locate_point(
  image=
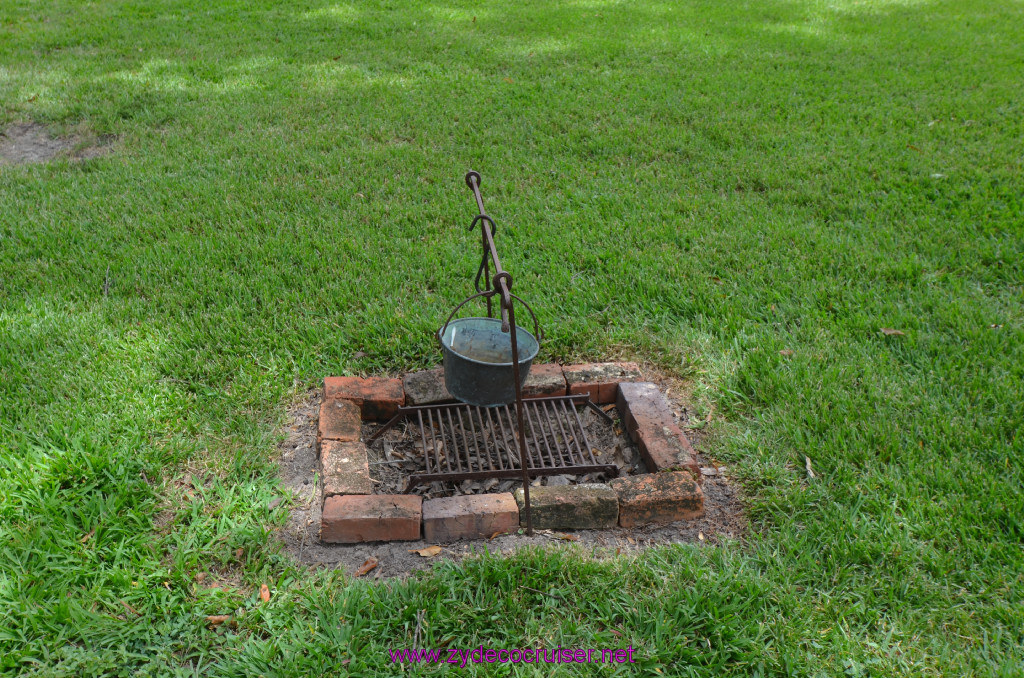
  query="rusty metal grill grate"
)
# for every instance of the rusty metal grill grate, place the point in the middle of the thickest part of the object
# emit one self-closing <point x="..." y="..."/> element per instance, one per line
<point x="466" y="442"/>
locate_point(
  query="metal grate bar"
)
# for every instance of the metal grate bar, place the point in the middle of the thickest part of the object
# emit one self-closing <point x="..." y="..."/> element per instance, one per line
<point x="580" y="424"/>
<point x="543" y="433"/>
<point x="561" y="429"/>
<point x="573" y="434"/>
<point x="533" y="436"/>
<point x="483" y="435"/>
<point x="504" y="434"/>
<point x="423" y="438"/>
<point x="463" y="441"/>
<point x="514" y="450"/>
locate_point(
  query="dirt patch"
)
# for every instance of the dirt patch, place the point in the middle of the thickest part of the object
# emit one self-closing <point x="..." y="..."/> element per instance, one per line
<point x="29" y="143"/>
<point x="724" y="517"/>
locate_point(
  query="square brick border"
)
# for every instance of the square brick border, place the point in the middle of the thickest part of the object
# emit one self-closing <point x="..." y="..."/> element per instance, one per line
<point x="352" y="513"/>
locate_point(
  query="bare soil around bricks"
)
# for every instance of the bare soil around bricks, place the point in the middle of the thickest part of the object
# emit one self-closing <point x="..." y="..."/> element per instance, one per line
<point x="724" y="517"/>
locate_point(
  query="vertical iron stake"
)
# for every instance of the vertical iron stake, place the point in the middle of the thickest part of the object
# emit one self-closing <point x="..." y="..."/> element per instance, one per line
<point x="524" y="458"/>
<point x="503" y="284"/>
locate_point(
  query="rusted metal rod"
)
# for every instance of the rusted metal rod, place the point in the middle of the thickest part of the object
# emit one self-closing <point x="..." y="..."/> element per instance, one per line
<point x="503" y="283"/>
<point x="502" y="280"/>
<point x="524" y="456"/>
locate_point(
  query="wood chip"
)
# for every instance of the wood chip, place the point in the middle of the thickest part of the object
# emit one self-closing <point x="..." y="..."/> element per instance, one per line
<point x="217" y="619"/>
<point x="370" y="563"/>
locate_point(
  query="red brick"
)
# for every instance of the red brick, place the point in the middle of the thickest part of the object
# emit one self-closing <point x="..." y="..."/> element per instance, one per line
<point x="377" y="517"/>
<point x="599" y="380"/>
<point x="652" y="425"/>
<point x="475" y="516"/>
<point x="344" y="468"/>
<point x="378" y="397"/>
<point x="658" y="498"/>
<point x="664" y="447"/>
<point x="339" y="420"/>
<point x="642" y="402"/>
<point x="544" y="380"/>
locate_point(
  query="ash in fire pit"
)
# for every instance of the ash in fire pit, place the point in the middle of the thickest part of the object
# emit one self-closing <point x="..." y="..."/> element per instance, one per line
<point x="403" y="452"/>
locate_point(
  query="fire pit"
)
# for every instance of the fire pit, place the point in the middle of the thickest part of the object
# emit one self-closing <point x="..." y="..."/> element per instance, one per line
<point x="447" y="457"/>
<point x="486" y="363"/>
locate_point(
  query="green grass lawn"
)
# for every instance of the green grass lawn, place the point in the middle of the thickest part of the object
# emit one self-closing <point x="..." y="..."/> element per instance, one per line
<point x="698" y="185"/>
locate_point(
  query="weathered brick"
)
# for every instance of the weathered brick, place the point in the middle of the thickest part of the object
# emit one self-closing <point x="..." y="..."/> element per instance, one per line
<point x="544" y="380"/>
<point x="658" y="498"/>
<point x="378" y="397"/>
<point x="474" y="516"/>
<point x="589" y="506"/>
<point x="664" y="447"/>
<point x="426" y="388"/>
<point x="599" y="380"/>
<point x="642" y="402"/>
<point x="339" y="420"/>
<point x="377" y="517"/>
<point x="652" y="425"/>
<point x="344" y="468"/>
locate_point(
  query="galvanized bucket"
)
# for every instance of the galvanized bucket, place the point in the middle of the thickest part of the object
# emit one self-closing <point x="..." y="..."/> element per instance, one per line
<point x="478" y="360"/>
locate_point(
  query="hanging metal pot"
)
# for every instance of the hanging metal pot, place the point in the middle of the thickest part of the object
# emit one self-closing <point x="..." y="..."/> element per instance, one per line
<point x="478" y="360"/>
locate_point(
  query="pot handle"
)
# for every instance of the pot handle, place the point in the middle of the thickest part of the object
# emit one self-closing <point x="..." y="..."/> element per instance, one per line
<point x="491" y="293"/>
